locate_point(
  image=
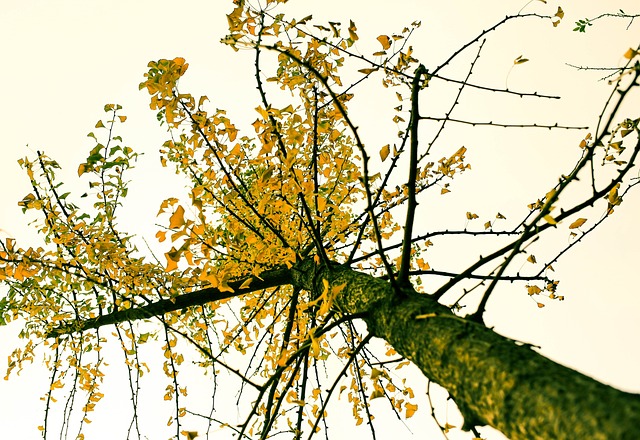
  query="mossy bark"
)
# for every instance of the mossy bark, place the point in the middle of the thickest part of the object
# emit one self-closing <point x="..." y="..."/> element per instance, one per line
<point x="493" y="380"/>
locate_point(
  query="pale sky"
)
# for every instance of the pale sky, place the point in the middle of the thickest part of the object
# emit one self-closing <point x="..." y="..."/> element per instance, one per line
<point x="63" y="60"/>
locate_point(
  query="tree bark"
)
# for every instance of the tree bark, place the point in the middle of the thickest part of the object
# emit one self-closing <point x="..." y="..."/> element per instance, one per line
<point x="493" y="380"/>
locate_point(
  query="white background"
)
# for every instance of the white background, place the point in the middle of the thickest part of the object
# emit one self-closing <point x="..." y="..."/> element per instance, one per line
<point x="63" y="60"/>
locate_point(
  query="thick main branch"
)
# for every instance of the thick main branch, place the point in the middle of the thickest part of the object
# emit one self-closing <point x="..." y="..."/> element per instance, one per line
<point x="493" y="380"/>
<point x="273" y="278"/>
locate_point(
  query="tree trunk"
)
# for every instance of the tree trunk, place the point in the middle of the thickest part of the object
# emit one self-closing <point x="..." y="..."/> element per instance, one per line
<point x="493" y="380"/>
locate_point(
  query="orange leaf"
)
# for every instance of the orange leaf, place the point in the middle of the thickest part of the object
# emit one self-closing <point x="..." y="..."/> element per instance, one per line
<point x="411" y="409"/>
<point x="533" y="290"/>
<point x="161" y="236"/>
<point x="385" y="41"/>
<point x="177" y="218"/>
<point x="630" y="53"/>
<point x="171" y="263"/>
<point x="423" y="265"/>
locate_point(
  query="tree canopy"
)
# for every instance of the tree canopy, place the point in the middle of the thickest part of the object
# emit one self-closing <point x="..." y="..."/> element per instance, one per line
<point x="300" y="264"/>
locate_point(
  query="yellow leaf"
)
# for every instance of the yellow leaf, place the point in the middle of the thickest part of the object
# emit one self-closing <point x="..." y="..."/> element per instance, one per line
<point x="161" y="236"/>
<point x="613" y="195"/>
<point x="487" y="225"/>
<point x="560" y="13"/>
<point x="99" y="124"/>
<point x="367" y="71"/>
<point x="630" y="53"/>
<point x="520" y="60"/>
<point x="177" y="218"/>
<point x="532" y="259"/>
<point x="122" y="118"/>
<point x="236" y="151"/>
<point x="352" y="31"/>
<point x="385" y="41"/>
<point x="246" y="283"/>
<point x="315" y="346"/>
<point x="540" y="305"/>
<point x="550" y="196"/>
<point x="82" y="169"/>
<point x="471" y="216"/>
<point x="411" y="409"/>
<point x="376" y="394"/>
<point x="224" y="287"/>
<point x="172" y="260"/>
<point x="448" y="427"/>
<point x="384" y="152"/>
<point x="550" y="219"/>
<point x="577" y="223"/>
<point x="423" y="265"/>
<point x="322" y="203"/>
<point x="533" y="290"/>
<point x="460" y="152"/>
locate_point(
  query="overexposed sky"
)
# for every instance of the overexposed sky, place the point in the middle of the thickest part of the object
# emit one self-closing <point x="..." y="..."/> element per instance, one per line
<point x="63" y="60"/>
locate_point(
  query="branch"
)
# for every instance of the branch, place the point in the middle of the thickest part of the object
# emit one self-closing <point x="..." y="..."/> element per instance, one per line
<point x="456" y="101"/>
<point x="483" y="33"/>
<point x="497" y="124"/>
<point x="534" y="229"/>
<point x="365" y="157"/>
<point x="474" y="276"/>
<point x="403" y="276"/>
<point x="266" y="280"/>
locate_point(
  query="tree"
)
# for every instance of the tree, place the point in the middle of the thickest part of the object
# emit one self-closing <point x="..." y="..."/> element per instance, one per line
<point x="272" y="228"/>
